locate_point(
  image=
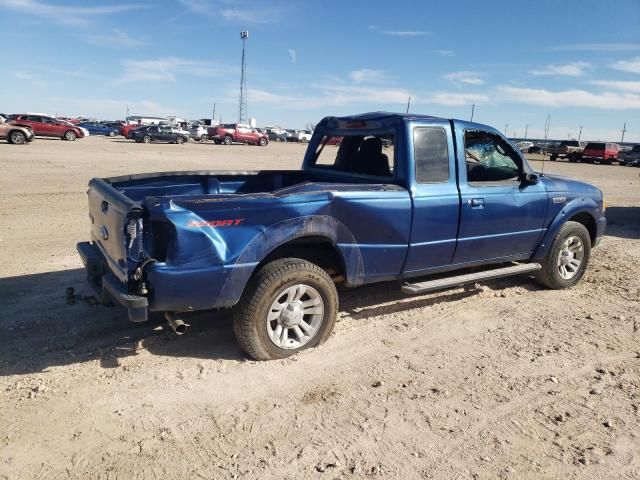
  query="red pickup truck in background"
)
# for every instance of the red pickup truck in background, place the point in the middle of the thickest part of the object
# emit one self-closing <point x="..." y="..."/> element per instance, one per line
<point x="601" y="153"/>
<point x="229" y="133"/>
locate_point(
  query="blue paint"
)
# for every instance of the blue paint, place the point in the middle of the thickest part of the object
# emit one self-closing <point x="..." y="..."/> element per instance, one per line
<point x="207" y="232"/>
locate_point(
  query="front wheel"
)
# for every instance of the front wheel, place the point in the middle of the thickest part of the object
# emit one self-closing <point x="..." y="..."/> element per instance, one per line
<point x="17" y="137"/>
<point x="228" y="140"/>
<point x="568" y="257"/>
<point x="553" y="158"/>
<point x="262" y="142"/>
<point x="203" y="139"/>
<point x="179" y="140"/>
<point x="146" y="139"/>
<point x="112" y="133"/>
<point x="70" y="135"/>
<point x="289" y="305"/>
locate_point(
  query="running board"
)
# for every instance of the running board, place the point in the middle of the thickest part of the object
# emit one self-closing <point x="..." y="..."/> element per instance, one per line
<point x="459" y="280"/>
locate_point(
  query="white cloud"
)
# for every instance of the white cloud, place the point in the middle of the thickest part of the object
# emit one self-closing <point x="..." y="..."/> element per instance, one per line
<point x="293" y="55"/>
<point x="470" y="78"/>
<point x="117" y="38"/>
<point x="367" y="75"/>
<point x="571" y="98"/>
<point x="632" y="65"/>
<point x="66" y="15"/>
<point x="166" y="69"/>
<point x="33" y="79"/>
<point x="627" y="86"/>
<point x="574" y="69"/>
<point x="455" y="99"/>
<point x="400" y="33"/>
<point x="214" y="9"/>
<point x="247" y="16"/>
<point x="599" y="47"/>
<point x="445" y="53"/>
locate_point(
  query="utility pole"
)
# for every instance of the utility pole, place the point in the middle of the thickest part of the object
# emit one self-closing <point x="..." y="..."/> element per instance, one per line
<point x="473" y="108"/>
<point x="242" y="108"/>
<point x="580" y="134"/>
<point x="624" y="130"/>
<point x="213" y="114"/>
<point x="526" y="131"/>
<point x="127" y="112"/>
<point x="505" y="129"/>
<point x="408" y="103"/>
<point x="547" y="124"/>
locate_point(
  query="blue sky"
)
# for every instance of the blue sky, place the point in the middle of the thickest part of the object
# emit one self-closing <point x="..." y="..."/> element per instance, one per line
<point x="578" y="61"/>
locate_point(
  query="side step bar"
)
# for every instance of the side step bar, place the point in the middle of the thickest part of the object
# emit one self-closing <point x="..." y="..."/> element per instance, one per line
<point x="459" y="280"/>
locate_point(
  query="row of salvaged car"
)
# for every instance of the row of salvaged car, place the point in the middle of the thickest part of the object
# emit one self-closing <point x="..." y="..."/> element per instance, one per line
<point x="587" y="152"/>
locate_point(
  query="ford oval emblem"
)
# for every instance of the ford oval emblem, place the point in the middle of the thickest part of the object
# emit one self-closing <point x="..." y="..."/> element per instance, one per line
<point x="104" y="232"/>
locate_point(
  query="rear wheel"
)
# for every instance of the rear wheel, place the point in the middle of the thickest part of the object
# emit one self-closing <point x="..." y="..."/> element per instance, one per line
<point x="204" y="138"/>
<point x="228" y="140"/>
<point x="568" y="257"/>
<point x="70" y="135"/>
<point x="112" y="133"/>
<point x="289" y="305"/>
<point x="17" y="137"/>
<point x="553" y="158"/>
<point x="146" y="139"/>
<point x="179" y="140"/>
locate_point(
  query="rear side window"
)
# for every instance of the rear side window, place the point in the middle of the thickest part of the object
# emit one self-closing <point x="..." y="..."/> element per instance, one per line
<point x="431" y="154"/>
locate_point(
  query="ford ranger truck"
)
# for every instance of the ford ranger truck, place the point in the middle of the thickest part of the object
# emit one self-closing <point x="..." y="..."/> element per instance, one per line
<point x="449" y="202"/>
<point x="569" y="149"/>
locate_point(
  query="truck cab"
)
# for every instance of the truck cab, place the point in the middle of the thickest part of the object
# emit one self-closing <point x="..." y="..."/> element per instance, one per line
<point x="429" y="202"/>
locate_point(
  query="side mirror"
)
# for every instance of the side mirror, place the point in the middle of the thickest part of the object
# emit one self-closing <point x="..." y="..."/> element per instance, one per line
<point x="529" y="179"/>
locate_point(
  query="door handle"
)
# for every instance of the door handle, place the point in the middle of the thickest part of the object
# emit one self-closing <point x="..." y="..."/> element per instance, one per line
<point x="476" y="202"/>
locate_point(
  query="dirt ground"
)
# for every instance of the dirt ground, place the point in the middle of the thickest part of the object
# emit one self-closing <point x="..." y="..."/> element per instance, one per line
<point x="501" y="380"/>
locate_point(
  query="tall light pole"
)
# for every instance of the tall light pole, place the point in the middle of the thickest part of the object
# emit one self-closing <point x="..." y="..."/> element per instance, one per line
<point x="505" y="129"/>
<point x="624" y="130"/>
<point x="580" y="134"/>
<point x="473" y="109"/>
<point x="526" y="131"/>
<point x="242" y="108"/>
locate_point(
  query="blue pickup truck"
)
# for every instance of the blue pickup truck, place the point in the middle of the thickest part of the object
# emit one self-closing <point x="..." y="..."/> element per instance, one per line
<point x="430" y="202"/>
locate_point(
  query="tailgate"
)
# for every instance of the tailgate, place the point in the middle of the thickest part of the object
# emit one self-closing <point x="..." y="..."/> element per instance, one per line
<point x="116" y="227"/>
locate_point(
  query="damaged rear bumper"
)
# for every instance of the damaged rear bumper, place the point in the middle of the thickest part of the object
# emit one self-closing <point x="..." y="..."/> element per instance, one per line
<point x="107" y="287"/>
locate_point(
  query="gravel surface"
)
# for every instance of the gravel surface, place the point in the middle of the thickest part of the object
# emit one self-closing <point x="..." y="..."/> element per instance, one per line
<point x="498" y="380"/>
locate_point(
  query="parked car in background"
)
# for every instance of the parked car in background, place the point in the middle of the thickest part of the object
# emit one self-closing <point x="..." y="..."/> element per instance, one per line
<point x="569" y="149"/>
<point x="537" y="149"/>
<point x="303" y="136"/>
<point x="15" y="134"/>
<point x="600" y="152"/>
<point x="229" y="133"/>
<point x="127" y="129"/>
<point x="159" y="133"/>
<point x="44" y="126"/>
<point x="630" y="158"/>
<point x="95" y="128"/>
<point x="200" y="133"/>
<point x="524" y="146"/>
<point x="292" y="135"/>
<point x="276" y="134"/>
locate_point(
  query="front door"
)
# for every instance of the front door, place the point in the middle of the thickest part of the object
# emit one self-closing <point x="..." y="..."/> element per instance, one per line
<point x="501" y="217"/>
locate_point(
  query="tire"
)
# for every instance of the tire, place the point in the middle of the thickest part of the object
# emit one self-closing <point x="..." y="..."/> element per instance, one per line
<point x="553" y="158"/>
<point x="228" y="140"/>
<point x="262" y="142"/>
<point x="112" y="133"/>
<point x="573" y="158"/>
<point x="179" y="140"/>
<point x="146" y="139"/>
<point x="203" y="139"/>
<point x="278" y="139"/>
<point x="17" y="137"/>
<point x="550" y="276"/>
<point x="70" y="135"/>
<point x="283" y="280"/>
<point x="303" y="140"/>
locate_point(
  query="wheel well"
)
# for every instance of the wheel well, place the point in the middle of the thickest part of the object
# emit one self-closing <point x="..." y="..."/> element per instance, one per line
<point x="588" y="221"/>
<point x="315" y="249"/>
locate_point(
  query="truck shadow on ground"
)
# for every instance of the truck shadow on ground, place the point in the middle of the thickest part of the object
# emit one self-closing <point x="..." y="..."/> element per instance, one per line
<point x="40" y="329"/>
<point x="623" y="222"/>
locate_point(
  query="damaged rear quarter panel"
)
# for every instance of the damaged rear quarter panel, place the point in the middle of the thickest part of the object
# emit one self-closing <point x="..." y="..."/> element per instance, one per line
<point x="210" y="261"/>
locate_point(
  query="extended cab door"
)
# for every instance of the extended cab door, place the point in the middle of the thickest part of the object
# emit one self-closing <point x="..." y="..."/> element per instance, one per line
<point x="501" y="217"/>
<point x="435" y="196"/>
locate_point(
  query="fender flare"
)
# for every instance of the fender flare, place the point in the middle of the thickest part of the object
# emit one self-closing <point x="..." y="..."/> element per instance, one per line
<point x="571" y="209"/>
<point x="285" y="231"/>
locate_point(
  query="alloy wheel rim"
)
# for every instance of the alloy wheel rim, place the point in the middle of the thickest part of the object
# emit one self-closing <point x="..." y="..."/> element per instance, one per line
<point x="295" y="316"/>
<point x="570" y="257"/>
